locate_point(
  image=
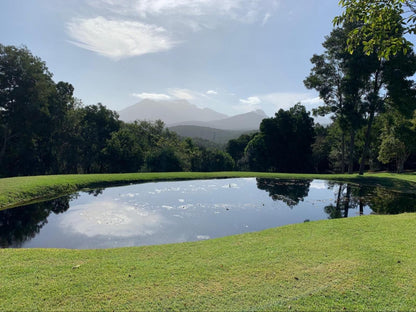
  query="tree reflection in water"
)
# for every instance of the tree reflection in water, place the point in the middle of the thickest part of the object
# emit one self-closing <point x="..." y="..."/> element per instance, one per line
<point x="378" y="199"/>
<point x="347" y="196"/>
<point x="291" y="192"/>
<point x="20" y="224"/>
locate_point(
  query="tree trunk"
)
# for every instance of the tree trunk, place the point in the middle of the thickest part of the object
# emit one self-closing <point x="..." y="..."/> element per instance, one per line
<point x="367" y="143"/>
<point x="343" y="152"/>
<point x="351" y="153"/>
<point x="4" y="145"/>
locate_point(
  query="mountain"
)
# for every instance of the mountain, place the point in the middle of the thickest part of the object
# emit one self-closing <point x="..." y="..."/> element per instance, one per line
<point x="218" y="136"/>
<point x="247" y="121"/>
<point x="171" y="112"/>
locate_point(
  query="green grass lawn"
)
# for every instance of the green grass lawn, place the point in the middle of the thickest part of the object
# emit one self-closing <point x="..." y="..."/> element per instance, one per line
<point x="361" y="263"/>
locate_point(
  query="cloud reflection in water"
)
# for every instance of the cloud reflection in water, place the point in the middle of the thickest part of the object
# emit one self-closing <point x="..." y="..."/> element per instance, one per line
<point x="111" y="219"/>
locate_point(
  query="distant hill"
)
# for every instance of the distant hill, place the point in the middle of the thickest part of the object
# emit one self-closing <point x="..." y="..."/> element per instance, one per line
<point x="181" y="112"/>
<point x="218" y="136"/>
<point x="241" y="122"/>
<point x="170" y="112"/>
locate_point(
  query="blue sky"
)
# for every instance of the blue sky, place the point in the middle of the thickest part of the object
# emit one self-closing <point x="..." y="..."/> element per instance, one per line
<point x="229" y="55"/>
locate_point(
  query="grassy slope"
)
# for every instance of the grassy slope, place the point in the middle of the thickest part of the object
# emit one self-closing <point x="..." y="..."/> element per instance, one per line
<point x="362" y="263"/>
<point x="20" y="190"/>
<point x="365" y="263"/>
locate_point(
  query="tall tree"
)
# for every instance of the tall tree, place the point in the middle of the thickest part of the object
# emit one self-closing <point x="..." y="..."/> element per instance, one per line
<point x="341" y="82"/>
<point x="97" y="124"/>
<point x="284" y="142"/>
<point x="26" y="93"/>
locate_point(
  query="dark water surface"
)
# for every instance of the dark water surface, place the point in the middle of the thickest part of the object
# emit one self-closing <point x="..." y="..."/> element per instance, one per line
<point x="171" y="212"/>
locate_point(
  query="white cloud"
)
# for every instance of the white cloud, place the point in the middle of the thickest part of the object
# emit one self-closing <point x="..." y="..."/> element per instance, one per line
<point x="248" y="105"/>
<point x="252" y="100"/>
<point x="126" y="28"/>
<point x="182" y="94"/>
<point x="118" y="39"/>
<point x="212" y="92"/>
<point x="286" y="100"/>
<point x="266" y="18"/>
<point x="152" y="96"/>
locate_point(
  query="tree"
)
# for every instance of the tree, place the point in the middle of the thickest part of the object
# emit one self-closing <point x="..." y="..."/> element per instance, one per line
<point x="216" y="160"/>
<point x="32" y="110"/>
<point x="123" y="151"/>
<point x="355" y="86"/>
<point x="236" y="147"/>
<point x="97" y="125"/>
<point x="284" y="142"/>
<point x="382" y="25"/>
<point x="398" y="139"/>
<point x="165" y="159"/>
<point x="341" y="82"/>
<point x="321" y="149"/>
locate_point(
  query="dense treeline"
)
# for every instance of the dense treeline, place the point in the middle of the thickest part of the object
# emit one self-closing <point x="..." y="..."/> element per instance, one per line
<point x="44" y="129"/>
<point x="371" y="102"/>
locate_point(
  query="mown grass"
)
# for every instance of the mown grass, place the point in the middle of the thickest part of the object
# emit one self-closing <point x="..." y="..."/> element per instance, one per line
<point x="22" y="190"/>
<point x="363" y="263"/>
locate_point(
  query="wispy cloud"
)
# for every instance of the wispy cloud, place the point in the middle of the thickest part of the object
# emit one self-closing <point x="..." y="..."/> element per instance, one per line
<point x="182" y="94"/>
<point x="152" y="96"/>
<point x="118" y="39"/>
<point x="126" y="28"/>
<point x="252" y="100"/>
<point x="241" y="10"/>
<point x="285" y="100"/>
<point x="248" y="105"/>
<point x="212" y="92"/>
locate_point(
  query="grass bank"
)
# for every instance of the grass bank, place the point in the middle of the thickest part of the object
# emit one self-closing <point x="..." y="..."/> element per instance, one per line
<point x="363" y="263"/>
<point x="22" y="190"/>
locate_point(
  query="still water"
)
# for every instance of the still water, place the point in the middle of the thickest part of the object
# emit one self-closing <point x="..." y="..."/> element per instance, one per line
<point x="172" y="212"/>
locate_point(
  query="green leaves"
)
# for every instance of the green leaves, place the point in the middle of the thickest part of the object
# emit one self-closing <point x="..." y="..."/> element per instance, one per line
<point x="382" y="25"/>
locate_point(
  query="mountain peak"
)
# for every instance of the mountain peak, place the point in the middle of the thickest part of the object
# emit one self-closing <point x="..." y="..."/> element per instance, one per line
<point x="170" y="111"/>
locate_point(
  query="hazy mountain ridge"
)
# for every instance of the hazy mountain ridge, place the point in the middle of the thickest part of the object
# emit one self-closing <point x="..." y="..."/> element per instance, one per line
<point x="181" y="112"/>
<point x="169" y="111"/>
<point x="218" y="136"/>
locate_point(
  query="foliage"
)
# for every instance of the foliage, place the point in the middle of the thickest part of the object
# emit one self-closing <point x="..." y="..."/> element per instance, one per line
<point x="356" y="87"/>
<point x="216" y="160"/>
<point x="382" y="25"/>
<point x="341" y="81"/>
<point x="236" y="148"/>
<point x="284" y="142"/>
<point x="398" y="139"/>
<point x="321" y="149"/>
<point x="26" y="101"/>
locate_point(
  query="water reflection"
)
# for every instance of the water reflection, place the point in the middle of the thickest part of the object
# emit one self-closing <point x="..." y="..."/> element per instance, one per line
<point x="21" y="224"/>
<point x="291" y="192"/>
<point x="168" y="212"/>
<point x="111" y="219"/>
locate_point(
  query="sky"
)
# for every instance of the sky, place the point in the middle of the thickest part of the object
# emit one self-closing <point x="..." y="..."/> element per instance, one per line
<point x="232" y="56"/>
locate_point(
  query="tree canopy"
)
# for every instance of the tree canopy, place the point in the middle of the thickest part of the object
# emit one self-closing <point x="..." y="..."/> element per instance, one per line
<point x="381" y="25"/>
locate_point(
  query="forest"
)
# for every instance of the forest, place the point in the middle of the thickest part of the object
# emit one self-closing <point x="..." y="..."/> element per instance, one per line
<point x="370" y="100"/>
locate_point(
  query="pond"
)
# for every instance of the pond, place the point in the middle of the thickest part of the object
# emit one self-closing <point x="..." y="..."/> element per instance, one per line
<point x="181" y="211"/>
